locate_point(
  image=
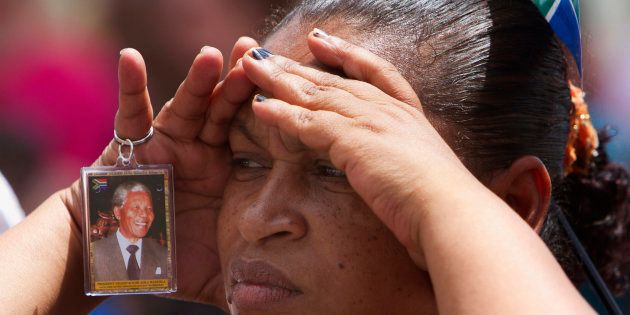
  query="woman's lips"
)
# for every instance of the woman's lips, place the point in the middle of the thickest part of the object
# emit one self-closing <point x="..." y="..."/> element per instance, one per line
<point x="256" y="296"/>
<point x="256" y="285"/>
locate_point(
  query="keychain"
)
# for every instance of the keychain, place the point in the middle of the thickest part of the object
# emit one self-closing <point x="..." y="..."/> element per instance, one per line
<point x="128" y="225"/>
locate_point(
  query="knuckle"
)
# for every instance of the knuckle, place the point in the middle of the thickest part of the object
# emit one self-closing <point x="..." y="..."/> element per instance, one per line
<point x="364" y="123"/>
<point x="276" y="74"/>
<point x="309" y="89"/>
<point x="196" y="90"/>
<point x="312" y="91"/>
<point x="346" y="47"/>
<point x="344" y="50"/>
<point x="304" y="118"/>
<point x="328" y="79"/>
<point x="318" y="97"/>
<point x="290" y="66"/>
<point x="398" y="113"/>
<point x="168" y="103"/>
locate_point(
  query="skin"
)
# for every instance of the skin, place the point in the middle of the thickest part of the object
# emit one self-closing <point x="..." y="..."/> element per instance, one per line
<point x="191" y="133"/>
<point x="321" y="235"/>
<point x="135" y="215"/>
<point x="467" y="239"/>
<point x="353" y="123"/>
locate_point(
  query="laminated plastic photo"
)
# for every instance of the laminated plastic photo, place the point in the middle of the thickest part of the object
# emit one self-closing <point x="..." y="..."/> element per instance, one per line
<point x="128" y="231"/>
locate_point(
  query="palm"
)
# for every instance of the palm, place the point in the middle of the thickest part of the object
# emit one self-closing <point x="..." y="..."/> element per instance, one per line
<point x="191" y="134"/>
<point x="200" y="172"/>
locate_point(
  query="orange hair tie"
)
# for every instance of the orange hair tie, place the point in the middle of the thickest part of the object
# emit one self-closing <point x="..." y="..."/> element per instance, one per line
<point x="583" y="141"/>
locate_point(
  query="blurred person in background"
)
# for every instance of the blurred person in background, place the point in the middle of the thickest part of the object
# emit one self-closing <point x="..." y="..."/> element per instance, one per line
<point x="170" y="33"/>
<point x="11" y="212"/>
<point x="607" y="69"/>
<point x="607" y="82"/>
<point x="58" y="79"/>
<point x="57" y="85"/>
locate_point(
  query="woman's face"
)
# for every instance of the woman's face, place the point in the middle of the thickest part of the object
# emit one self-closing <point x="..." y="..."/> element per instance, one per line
<point x="293" y="236"/>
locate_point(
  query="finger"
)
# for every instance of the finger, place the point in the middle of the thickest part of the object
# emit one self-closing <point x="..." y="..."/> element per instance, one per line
<point x="361" y="64"/>
<point x="294" y="89"/>
<point x="109" y="155"/>
<point x="183" y="117"/>
<point x="242" y="45"/>
<point x="227" y="98"/>
<point x="135" y="113"/>
<point x="360" y="89"/>
<point x="315" y="129"/>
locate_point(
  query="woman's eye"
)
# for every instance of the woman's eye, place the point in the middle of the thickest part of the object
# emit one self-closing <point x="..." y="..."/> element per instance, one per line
<point x="248" y="169"/>
<point x="332" y="178"/>
<point x="329" y="171"/>
<point x="246" y="163"/>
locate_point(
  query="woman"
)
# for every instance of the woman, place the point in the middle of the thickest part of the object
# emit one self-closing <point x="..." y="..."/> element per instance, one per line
<point x="412" y="182"/>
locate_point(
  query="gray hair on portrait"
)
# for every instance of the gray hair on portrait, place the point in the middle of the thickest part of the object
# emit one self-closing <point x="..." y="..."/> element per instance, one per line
<point x="120" y="194"/>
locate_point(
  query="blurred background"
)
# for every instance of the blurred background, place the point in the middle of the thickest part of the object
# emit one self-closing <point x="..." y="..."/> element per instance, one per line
<point x="58" y="83"/>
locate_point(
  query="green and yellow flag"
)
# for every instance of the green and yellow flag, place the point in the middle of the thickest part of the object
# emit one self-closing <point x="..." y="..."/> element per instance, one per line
<point x="564" y="18"/>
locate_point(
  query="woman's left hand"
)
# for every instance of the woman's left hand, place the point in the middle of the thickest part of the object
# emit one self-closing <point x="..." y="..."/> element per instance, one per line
<point x="372" y="126"/>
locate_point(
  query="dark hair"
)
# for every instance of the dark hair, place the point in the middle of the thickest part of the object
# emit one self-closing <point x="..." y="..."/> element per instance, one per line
<point x="492" y="77"/>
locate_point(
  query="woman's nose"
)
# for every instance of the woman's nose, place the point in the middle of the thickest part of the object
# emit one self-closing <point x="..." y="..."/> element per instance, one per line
<point x="274" y="214"/>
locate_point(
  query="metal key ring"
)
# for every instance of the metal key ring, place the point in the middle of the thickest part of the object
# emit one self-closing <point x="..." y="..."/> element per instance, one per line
<point x="134" y="142"/>
<point x="126" y="161"/>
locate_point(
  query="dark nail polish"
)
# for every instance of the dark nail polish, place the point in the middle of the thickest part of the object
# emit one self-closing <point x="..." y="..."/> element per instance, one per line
<point x="259" y="98"/>
<point x="267" y="52"/>
<point x="257" y="55"/>
<point x="319" y="33"/>
<point x="261" y="53"/>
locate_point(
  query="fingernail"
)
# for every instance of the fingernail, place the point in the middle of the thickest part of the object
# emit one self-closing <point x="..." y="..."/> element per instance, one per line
<point x="319" y="33"/>
<point x="267" y="52"/>
<point x="204" y="48"/>
<point x="259" y="98"/>
<point x="261" y="53"/>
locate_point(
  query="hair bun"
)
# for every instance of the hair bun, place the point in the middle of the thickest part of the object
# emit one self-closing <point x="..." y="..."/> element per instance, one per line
<point x="599" y="208"/>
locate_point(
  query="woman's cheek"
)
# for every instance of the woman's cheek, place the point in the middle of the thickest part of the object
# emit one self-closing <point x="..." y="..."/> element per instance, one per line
<point x="353" y="246"/>
<point x="345" y="207"/>
<point x="234" y="197"/>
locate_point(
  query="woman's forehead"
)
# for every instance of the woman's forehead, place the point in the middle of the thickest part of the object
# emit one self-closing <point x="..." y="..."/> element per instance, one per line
<point x="246" y="127"/>
<point x="289" y="42"/>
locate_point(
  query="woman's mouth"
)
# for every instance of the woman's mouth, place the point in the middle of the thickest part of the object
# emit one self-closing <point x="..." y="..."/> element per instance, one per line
<point x="257" y="285"/>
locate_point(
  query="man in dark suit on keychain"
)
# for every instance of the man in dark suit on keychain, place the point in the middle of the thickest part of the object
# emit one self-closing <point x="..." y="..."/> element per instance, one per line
<point x="126" y="254"/>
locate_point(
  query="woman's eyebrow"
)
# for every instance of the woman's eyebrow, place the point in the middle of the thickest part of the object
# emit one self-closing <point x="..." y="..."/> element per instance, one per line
<point x="242" y="127"/>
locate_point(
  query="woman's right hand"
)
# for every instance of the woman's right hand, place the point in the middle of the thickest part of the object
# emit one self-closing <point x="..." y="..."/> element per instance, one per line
<point x="190" y="133"/>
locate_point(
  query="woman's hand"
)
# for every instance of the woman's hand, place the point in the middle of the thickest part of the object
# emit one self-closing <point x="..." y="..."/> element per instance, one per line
<point x="374" y="131"/>
<point x="372" y="126"/>
<point x="191" y="134"/>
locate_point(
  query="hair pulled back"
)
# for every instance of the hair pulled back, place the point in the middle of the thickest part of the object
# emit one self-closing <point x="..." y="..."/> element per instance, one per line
<point x="492" y="77"/>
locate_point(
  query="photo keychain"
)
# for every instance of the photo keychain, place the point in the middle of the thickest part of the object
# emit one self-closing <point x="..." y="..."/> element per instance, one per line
<point x="128" y="225"/>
